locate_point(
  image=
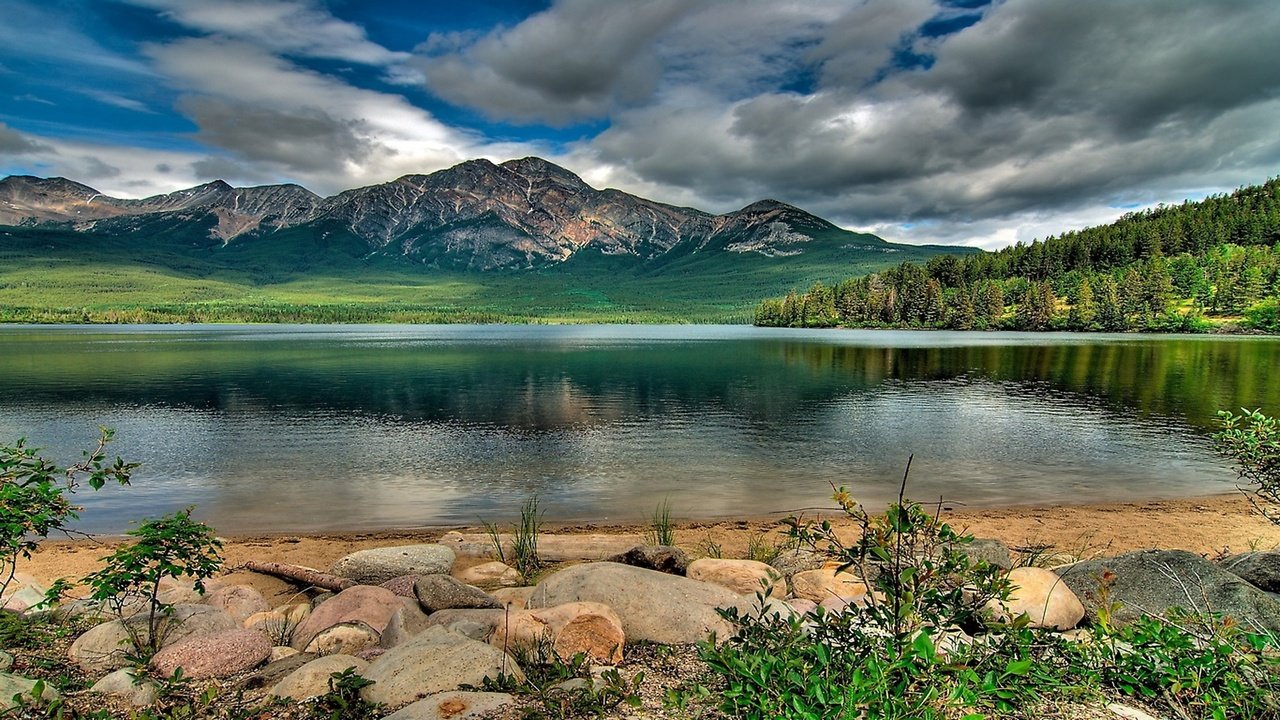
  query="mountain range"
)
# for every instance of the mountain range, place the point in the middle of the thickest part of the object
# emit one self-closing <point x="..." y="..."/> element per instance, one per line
<point x="478" y="219"/>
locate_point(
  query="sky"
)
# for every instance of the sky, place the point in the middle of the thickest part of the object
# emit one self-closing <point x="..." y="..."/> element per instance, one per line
<point x="925" y="121"/>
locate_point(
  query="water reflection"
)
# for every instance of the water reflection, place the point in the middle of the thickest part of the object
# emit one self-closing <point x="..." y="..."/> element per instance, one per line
<point x="308" y="428"/>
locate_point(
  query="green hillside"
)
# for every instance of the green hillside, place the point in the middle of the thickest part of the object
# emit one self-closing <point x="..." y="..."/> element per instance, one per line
<point x="166" y="272"/>
<point x="1194" y="267"/>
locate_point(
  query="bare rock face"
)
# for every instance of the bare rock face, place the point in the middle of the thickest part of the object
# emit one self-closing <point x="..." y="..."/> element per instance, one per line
<point x="217" y="655"/>
<point x="373" y="607"/>
<point x="653" y="606"/>
<point x="744" y="577"/>
<point x="1043" y="596"/>
<point x="434" y="661"/>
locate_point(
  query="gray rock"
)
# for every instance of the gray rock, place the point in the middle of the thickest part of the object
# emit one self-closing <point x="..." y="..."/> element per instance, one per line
<point x="402" y="586"/>
<point x="993" y="551"/>
<point x="105" y="646"/>
<point x="1154" y="581"/>
<point x="442" y="592"/>
<point x="123" y="683"/>
<point x="312" y="679"/>
<point x="455" y="705"/>
<point x="214" y="656"/>
<point x="1260" y="569"/>
<point x="434" y="661"/>
<point x="378" y="565"/>
<point x="653" y="606"/>
<point x="274" y="672"/>
<point x="790" y="562"/>
<point x="663" y="558"/>
<point x="346" y="638"/>
<point x="517" y="597"/>
<point x="16" y="685"/>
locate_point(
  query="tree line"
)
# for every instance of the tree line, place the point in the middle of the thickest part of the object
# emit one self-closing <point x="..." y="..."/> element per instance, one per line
<point x="1173" y="268"/>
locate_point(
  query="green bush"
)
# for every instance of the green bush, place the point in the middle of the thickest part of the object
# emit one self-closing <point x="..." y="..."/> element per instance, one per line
<point x="1264" y="316"/>
<point x="1252" y="440"/>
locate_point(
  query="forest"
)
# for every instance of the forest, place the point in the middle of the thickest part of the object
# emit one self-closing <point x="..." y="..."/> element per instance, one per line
<point x="1194" y="267"/>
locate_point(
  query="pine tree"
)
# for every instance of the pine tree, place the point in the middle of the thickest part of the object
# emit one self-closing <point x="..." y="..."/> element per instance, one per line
<point x="1109" y="317"/>
<point x="1084" y="310"/>
<point x="962" y="315"/>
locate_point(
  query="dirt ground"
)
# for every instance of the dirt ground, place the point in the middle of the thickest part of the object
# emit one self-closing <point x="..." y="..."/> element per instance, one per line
<point x="1208" y="525"/>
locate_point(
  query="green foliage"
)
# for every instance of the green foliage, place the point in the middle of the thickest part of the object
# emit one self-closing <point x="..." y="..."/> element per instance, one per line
<point x="35" y="496"/>
<point x="661" y="530"/>
<point x="343" y="701"/>
<point x="173" y="547"/>
<point x="1264" y="316"/>
<point x="1252" y="440"/>
<point x="564" y="689"/>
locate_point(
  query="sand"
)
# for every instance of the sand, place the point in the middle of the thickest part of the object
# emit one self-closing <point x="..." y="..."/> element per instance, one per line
<point x="1211" y="526"/>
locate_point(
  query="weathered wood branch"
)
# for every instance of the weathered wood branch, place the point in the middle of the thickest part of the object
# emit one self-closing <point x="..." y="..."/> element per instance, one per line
<point x="300" y="575"/>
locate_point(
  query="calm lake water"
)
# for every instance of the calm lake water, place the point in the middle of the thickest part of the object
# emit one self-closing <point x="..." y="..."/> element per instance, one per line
<point x="294" y="428"/>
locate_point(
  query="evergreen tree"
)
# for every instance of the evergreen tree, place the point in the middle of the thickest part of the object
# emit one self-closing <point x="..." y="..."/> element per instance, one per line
<point x="1083" y="310"/>
<point x="1109" y="316"/>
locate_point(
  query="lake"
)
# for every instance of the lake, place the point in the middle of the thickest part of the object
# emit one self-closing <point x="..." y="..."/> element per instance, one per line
<point x="307" y="428"/>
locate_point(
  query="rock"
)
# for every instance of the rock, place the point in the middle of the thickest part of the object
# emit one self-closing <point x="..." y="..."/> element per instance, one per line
<point x="663" y="558"/>
<point x="825" y="582"/>
<point x="276" y="591"/>
<point x="744" y="577"/>
<point x="790" y="562"/>
<point x="105" y="646"/>
<point x="238" y="601"/>
<point x="454" y="705"/>
<point x="280" y="652"/>
<point x="402" y="586"/>
<point x="517" y="597"/>
<point x="551" y="548"/>
<point x="367" y="604"/>
<point x="346" y="638"/>
<point x="312" y="680"/>
<point x="489" y="574"/>
<point x="1259" y="569"/>
<point x="371" y="654"/>
<point x="1043" y="596"/>
<point x="182" y="592"/>
<point x="277" y="670"/>
<point x="16" y="685"/>
<point x="408" y="621"/>
<point x="840" y="603"/>
<point x="123" y="683"/>
<point x="24" y="598"/>
<point x="6" y="661"/>
<point x="442" y="592"/>
<point x="1153" y="581"/>
<point x="802" y="605"/>
<point x="296" y="612"/>
<point x="993" y="551"/>
<point x="214" y="656"/>
<point x="379" y="565"/>
<point x="652" y="606"/>
<point x="434" y="661"/>
<point x="584" y="627"/>
<point x="1128" y="713"/>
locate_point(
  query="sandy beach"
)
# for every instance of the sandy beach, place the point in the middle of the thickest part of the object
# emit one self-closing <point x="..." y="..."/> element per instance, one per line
<point x="1208" y="525"/>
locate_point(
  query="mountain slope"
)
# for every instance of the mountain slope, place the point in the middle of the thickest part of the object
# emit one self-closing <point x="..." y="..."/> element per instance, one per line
<point x="530" y="238"/>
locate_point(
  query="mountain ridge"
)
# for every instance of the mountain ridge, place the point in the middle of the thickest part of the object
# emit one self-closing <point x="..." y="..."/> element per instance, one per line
<point x="521" y="213"/>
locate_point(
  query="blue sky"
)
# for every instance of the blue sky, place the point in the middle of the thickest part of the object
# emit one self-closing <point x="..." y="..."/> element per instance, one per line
<point x="924" y="121"/>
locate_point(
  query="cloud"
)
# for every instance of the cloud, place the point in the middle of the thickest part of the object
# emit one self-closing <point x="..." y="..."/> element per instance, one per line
<point x="119" y="101"/>
<point x="289" y="27"/>
<point x="574" y="61"/>
<point x="13" y="142"/>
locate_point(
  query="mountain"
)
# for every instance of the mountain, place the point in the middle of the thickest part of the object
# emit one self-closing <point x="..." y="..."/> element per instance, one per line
<point x="481" y="219"/>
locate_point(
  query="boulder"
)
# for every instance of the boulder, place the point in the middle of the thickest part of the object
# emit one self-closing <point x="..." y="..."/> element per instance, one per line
<point x="1043" y="596"/>
<point x="663" y="558"/>
<point x="517" y="597"/>
<point x="105" y="646"/>
<point x="745" y="577"/>
<point x="378" y="565"/>
<point x="442" y="592"/>
<point x="994" y="552"/>
<point x="12" y="686"/>
<point x="366" y="604"/>
<point x="825" y="582"/>
<point x="346" y="638"/>
<point x="454" y="705"/>
<point x="312" y="679"/>
<point x="268" y="675"/>
<point x="434" y="661"/>
<point x="790" y="562"/>
<point x="238" y="601"/>
<point x="489" y="574"/>
<point x="803" y="605"/>
<point x="1153" y="581"/>
<point x="1259" y="569"/>
<point x="592" y="629"/>
<point x="123" y="683"/>
<point x="402" y="586"/>
<point x="408" y="621"/>
<point x="551" y="548"/>
<point x="214" y="656"/>
<point x="280" y="652"/>
<point x="653" y="606"/>
<point x="21" y="597"/>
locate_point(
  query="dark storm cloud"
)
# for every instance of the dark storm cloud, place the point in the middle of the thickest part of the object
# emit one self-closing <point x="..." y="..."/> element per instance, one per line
<point x="13" y="142"/>
<point x="572" y="62"/>
<point x="1039" y="106"/>
<point x="302" y="140"/>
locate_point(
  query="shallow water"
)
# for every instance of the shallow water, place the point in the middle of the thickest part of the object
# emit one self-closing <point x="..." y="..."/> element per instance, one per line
<point x="296" y="428"/>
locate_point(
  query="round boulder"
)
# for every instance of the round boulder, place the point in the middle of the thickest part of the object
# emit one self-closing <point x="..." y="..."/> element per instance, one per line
<point x="312" y="680"/>
<point x="210" y="656"/>
<point x="744" y="577"/>
<point x="1045" y="598"/>
<point x="378" y="565"/>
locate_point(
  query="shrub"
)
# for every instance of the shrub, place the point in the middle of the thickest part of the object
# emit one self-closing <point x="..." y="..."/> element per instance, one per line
<point x="174" y="546"/>
<point x="35" y="496"/>
<point x="1252" y="439"/>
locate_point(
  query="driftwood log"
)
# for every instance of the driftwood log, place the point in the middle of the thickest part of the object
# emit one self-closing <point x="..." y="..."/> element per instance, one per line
<point x="300" y="575"/>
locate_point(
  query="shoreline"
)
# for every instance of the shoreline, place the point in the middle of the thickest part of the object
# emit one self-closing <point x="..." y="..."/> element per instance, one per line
<point x="1209" y="525"/>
